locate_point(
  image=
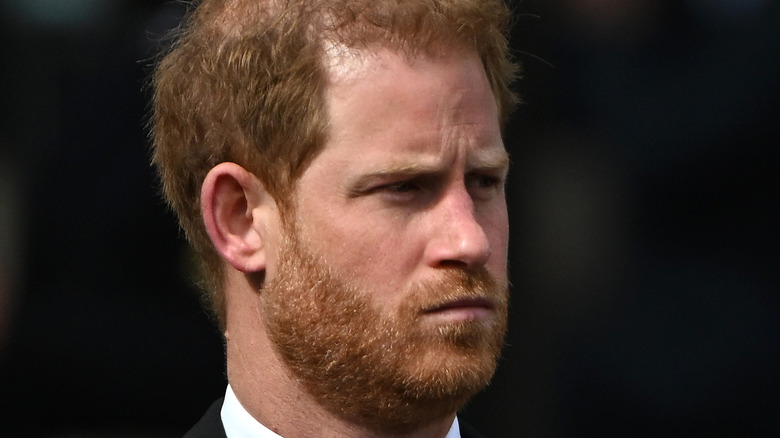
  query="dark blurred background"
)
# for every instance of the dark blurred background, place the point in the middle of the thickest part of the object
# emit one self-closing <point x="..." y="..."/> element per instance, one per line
<point x="643" y="196"/>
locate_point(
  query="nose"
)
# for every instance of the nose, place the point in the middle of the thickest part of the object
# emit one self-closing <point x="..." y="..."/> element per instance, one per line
<point x="458" y="236"/>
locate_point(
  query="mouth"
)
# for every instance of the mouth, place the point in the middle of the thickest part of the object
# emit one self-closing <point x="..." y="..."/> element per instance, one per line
<point x="463" y="309"/>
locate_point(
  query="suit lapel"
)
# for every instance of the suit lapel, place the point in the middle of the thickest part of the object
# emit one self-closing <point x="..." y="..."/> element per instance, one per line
<point x="210" y="425"/>
<point x="466" y="431"/>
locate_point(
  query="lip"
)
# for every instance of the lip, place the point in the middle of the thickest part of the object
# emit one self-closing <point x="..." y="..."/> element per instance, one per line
<point x="463" y="309"/>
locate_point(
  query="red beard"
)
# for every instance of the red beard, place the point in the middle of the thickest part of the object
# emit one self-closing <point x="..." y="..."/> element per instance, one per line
<point x="385" y="371"/>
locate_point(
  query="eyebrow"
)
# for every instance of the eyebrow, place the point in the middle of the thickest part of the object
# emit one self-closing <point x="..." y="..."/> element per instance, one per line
<point x="490" y="160"/>
<point x="481" y="162"/>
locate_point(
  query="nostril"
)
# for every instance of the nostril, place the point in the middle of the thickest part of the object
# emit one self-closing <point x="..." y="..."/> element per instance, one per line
<point x="457" y="264"/>
<point x="456" y="251"/>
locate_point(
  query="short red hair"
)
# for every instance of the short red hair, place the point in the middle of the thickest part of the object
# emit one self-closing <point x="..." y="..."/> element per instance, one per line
<point x="245" y="82"/>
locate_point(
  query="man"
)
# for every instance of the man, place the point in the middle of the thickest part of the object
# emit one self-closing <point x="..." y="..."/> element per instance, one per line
<point x="339" y="168"/>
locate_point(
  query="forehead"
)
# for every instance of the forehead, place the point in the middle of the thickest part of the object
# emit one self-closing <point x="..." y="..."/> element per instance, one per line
<point x="385" y="102"/>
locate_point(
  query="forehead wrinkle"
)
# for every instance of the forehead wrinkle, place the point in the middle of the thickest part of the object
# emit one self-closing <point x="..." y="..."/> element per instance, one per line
<point x="462" y="116"/>
<point x="483" y="150"/>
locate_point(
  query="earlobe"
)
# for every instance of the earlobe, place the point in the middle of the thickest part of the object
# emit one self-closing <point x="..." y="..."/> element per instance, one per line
<point x="232" y="204"/>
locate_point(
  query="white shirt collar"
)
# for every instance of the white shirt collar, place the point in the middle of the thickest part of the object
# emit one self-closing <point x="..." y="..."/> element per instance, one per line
<point x="454" y="430"/>
<point x="239" y="423"/>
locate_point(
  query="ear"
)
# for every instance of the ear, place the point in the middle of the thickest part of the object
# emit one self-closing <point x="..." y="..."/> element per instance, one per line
<point x="236" y="208"/>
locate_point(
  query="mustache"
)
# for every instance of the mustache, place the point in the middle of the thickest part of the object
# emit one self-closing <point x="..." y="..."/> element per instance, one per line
<point x="476" y="287"/>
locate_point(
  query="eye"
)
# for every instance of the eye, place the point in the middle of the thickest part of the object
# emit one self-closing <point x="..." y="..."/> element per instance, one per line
<point x="407" y="191"/>
<point x="483" y="186"/>
<point x="402" y="186"/>
<point x="485" y="181"/>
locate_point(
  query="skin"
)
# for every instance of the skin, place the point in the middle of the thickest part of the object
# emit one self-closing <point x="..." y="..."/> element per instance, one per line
<point x="415" y="147"/>
<point x="409" y="185"/>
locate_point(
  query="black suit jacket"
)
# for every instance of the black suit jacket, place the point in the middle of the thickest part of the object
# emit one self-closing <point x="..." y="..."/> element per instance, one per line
<point x="210" y="426"/>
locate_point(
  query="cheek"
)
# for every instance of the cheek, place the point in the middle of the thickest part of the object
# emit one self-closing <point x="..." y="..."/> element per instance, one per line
<point x="384" y="252"/>
<point x="378" y="252"/>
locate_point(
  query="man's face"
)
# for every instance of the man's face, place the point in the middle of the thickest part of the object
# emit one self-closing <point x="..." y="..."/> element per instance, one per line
<point x="387" y="298"/>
